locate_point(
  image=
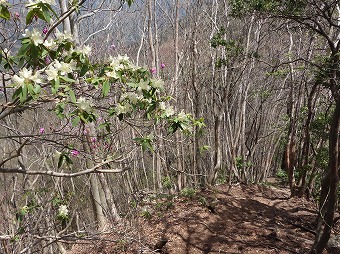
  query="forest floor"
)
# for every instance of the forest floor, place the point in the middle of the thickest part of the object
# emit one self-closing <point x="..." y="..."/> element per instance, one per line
<point x="227" y="219"/>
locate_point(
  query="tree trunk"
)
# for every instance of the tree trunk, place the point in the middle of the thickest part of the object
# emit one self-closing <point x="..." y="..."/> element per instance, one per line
<point x="329" y="186"/>
<point x="66" y="21"/>
<point x="150" y="34"/>
<point x="217" y="150"/>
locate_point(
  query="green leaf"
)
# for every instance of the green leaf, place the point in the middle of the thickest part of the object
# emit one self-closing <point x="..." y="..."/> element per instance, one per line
<point x="23" y="95"/>
<point x="67" y="79"/>
<point x="45" y="14"/>
<point x="47" y="6"/>
<point x="174" y="127"/>
<point x="37" y="89"/>
<point x="59" y="110"/>
<point x="106" y="88"/>
<point x="145" y="142"/>
<point x="30" y="16"/>
<point x="75" y="121"/>
<point x="129" y="2"/>
<point x="34" y="52"/>
<point x="84" y="69"/>
<point x="17" y="93"/>
<point x="68" y="159"/>
<point x="30" y="89"/>
<point x="72" y="96"/>
<point x="61" y="160"/>
<point x="55" y="85"/>
<point x="4" y="13"/>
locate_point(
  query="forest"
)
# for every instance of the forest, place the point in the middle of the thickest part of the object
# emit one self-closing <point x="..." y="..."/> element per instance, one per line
<point x="107" y="103"/>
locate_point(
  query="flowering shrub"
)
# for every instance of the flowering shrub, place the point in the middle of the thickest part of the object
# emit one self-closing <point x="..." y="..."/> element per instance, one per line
<point x="47" y="70"/>
<point x="53" y="68"/>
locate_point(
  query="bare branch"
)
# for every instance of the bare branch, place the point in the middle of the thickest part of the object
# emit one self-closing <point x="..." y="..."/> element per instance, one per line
<point x="95" y="169"/>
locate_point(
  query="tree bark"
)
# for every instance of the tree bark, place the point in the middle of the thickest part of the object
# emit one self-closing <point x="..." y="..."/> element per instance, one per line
<point x="329" y="186"/>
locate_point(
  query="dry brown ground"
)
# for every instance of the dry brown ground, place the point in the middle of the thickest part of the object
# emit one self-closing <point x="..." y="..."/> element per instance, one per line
<point x="238" y="219"/>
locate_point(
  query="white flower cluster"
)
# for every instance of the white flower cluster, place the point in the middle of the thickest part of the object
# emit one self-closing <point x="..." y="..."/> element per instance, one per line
<point x="84" y="104"/>
<point x="182" y="116"/>
<point x="63" y="36"/>
<point x="63" y="211"/>
<point x="123" y="109"/>
<point x="34" y="35"/>
<point x="3" y="2"/>
<point x="26" y="76"/>
<point x="143" y="85"/>
<point x="85" y="50"/>
<point x="37" y="39"/>
<point x="167" y="110"/>
<point x="184" y="120"/>
<point x="57" y="68"/>
<point x="131" y="96"/>
<point x="157" y="83"/>
<point x="118" y="63"/>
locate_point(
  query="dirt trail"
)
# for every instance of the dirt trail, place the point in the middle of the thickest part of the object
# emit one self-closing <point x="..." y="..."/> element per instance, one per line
<point x="238" y="219"/>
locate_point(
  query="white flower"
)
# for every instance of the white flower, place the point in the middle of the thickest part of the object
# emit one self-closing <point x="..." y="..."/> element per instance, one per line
<point x="119" y="67"/>
<point x="119" y="62"/>
<point x="67" y="53"/>
<point x="169" y="111"/>
<point x="26" y="76"/>
<point x="86" y="50"/>
<point x="112" y="74"/>
<point x="63" y="67"/>
<point x="3" y="2"/>
<point x="144" y="85"/>
<point x="63" y="211"/>
<point x="52" y="73"/>
<point x="36" y="78"/>
<point x="123" y="59"/>
<point x="162" y="106"/>
<point x="63" y="36"/>
<point x="182" y="116"/>
<point x="123" y="109"/>
<point x="18" y="80"/>
<point x="157" y="83"/>
<point x="132" y="97"/>
<point x="49" y="43"/>
<point x="84" y="104"/>
<point x="34" y="35"/>
<point x="73" y="65"/>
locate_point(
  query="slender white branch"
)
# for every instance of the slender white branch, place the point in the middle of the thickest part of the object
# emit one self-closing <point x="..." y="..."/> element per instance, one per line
<point x="96" y="169"/>
<point x="100" y="30"/>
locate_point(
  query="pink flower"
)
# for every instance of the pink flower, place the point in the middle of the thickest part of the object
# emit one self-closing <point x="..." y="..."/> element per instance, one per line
<point x="17" y="15"/>
<point x="75" y="152"/>
<point x="45" y="30"/>
<point x="113" y="47"/>
<point x="162" y="65"/>
<point x="42" y="130"/>
<point x="47" y="60"/>
<point x="94" y="139"/>
<point x="153" y="70"/>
